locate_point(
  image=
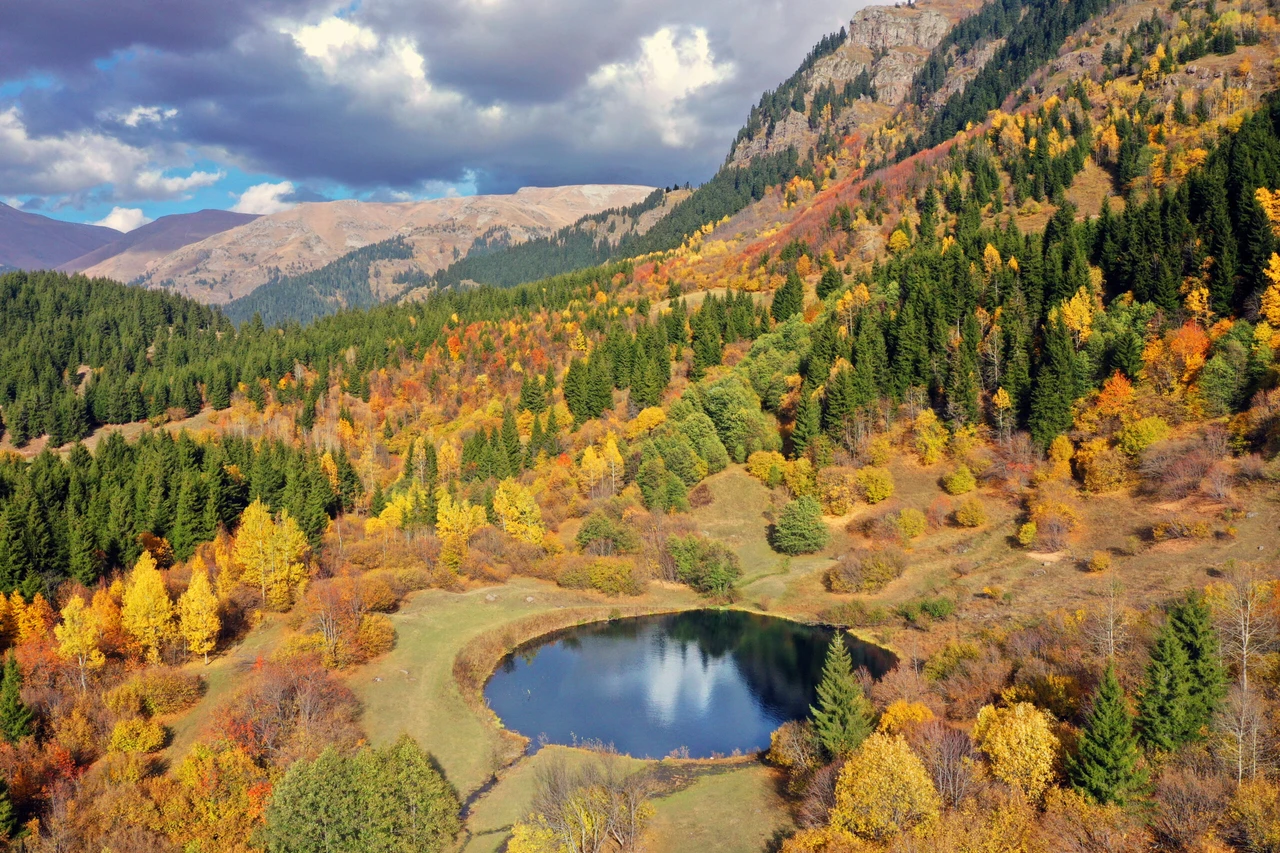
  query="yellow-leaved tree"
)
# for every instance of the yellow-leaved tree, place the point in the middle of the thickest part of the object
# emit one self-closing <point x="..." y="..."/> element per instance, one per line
<point x="272" y="554"/>
<point x="455" y="522"/>
<point x="198" y="613"/>
<point x="79" y="638"/>
<point x="518" y="512"/>
<point x="1021" y="746"/>
<point x="147" y="613"/>
<point x="883" y="789"/>
<point x="1271" y="296"/>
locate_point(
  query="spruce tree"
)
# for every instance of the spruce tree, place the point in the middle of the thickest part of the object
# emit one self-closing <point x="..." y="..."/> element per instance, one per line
<point x="1105" y="764"/>
<point x="16" y="719"/>
<point x="788" y="300"/>
<point x="807" y="426"/>
<point x="1055" y="386"/>
<point x="8" y="816"/>
<point x="842" y="717"/>
<point x="1164" y="707"/>
<point x="831" y="282"/>
<point x="1192" y="624"/>
<point x="511" y="442"/>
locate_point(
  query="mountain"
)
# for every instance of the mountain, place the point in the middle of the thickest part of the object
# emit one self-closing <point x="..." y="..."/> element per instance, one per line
<point x="31" y="241"/>
<point x="128" y="257"/>
<point x="233" y="263"/>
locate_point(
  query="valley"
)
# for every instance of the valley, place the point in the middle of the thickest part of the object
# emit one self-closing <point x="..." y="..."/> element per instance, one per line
<point x="964" y="358"/>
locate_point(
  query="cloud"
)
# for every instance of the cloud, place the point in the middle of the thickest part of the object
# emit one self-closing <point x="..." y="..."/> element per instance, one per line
<point x="670" y="67"/>
<point x="388" y="96"/>
<point x="124" y="219"/>
<point x="157" y="185"/>
<point x="265" y="198"/>
<point x="140" y="115"/>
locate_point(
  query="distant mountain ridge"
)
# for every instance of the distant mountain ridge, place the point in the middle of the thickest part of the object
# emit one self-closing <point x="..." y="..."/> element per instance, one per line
<point x="32" y="241"/>
<point x="234" y="263"/>
<point x="127" y="257"/>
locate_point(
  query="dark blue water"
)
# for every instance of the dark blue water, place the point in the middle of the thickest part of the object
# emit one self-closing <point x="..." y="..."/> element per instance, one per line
<point x="711" y="681"/>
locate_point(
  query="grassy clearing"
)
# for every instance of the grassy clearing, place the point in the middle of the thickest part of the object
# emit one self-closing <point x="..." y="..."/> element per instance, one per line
<point x="735" y="811"/>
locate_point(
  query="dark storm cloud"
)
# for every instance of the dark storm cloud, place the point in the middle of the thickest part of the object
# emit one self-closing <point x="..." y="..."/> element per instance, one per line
<point x="507" y="93"/>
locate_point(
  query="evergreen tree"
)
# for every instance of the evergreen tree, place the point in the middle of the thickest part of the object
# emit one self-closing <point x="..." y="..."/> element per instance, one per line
<point x="1105" y="764"/>
<point x="8" y="816"/>
<point x="788" y="300"/>
<point x="16" y="719"/>
<point x="1164" y="707"/>
<point x="532" y="397"/>
<point x="1192" y="624"/>
<point x="842" y="717"/>
<point x="832" y="281"/>
<point x="1055" y="387"/>
<point x="511" y="443"/>
<point x="807" y="425"/>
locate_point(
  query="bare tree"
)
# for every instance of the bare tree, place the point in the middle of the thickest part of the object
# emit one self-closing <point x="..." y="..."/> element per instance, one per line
<point x="948" y="755"/>
<point x="1246" y="623"/>
<point x="1107" y="629"/>
<point x="592" y="807"/>
<point x="1243" y="730"/>
<point x="1188" y="805"/>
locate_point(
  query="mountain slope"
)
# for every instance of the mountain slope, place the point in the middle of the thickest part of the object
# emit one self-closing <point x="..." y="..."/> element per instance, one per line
<point x="128" y="257"/>
<point x="234" y="263"/>
<point x="31" y="241"/>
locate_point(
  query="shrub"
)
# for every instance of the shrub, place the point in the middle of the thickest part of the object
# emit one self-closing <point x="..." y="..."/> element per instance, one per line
<point x="971" y="513"/>
<point x="1103" y="468"/>
<point x="157" y="691"/>
<point x="911" y="523"/>
<point x="1027" y="534"/>
<point x="855" y="614"/>
<point x="875" y="484"/>
<point x="960" y="481"/>
<point x="377" y="635"/>
<point x="760" y="463"/>
<point x="836" y="489"/>
<point x="869" y="572"/>
<point x="602" y="536"/>
<point x="708" y="567"/>
<point x="930" y="437"/>
<point x="800" y="529"/>
<point x="879" y="451"/>
<point x="925" y="609"/>
<point x="1141" y="434"/>
<point x="137" y="735"/>
<point x="1100" y="561"/>
<point x="949" y="659"/>
<point x="611" y="577"/>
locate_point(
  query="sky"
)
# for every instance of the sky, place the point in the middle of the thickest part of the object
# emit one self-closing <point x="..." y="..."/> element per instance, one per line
<point x="120" y="111"/>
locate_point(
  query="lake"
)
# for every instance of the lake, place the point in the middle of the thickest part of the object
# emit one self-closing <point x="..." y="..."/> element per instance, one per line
<point x="709" y="681"/>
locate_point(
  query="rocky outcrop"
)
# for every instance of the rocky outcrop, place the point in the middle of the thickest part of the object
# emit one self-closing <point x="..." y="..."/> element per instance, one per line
<point x="881" y="28"/>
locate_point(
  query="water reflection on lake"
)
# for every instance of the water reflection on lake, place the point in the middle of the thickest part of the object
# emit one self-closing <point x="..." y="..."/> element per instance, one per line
<point x="712" y="681"/>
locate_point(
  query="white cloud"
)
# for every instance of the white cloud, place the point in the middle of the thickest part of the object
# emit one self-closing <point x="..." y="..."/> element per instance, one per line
<point x="265" y="198"/>
<point x="62" y="164"/>
<point x="145" y="115"/>
<point x="158" y="185"/>
<point x="124" y="219"/>
<point x="670" y="67"/>
<point x="390" y="70"/>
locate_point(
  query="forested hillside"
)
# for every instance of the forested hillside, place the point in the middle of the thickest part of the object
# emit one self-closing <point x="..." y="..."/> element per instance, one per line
<point x="991" y="380"/>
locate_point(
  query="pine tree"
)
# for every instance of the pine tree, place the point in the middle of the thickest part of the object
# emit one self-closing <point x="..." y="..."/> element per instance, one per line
<point x="1105" y="764"/>
<point x="189" y="518"/>
<point x="807" y="426"/>
<point x="842" y="717"/>
<point x="1164" y="707"/>
<point x="788" y="300"/>
<point x="16" y="719"/>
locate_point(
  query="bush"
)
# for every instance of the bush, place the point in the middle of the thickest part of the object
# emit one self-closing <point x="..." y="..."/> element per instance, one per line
<point x="876" y="484"/>
<point x="1027" y="534"/>
<point x="377" y="635"/>
<point x="870" y="572"/>
<point x="157" y="691"/>
<point x="1141" y="434"/>
<point x="602" y="536"/>
<point x="925" y="609"/>
<point x="949" y="659"/>
<point x="911" y="523"/>
<point x="136" y="736"/>
<point x="971" y="513"/>
<point x="836" y="489"/>
<point x="800" y="529"/>
<point x="960" y="481"/>
<point x="855" y="614"/>
<point x="1100" y="561"/>
<point x="1103" y="468"/>
<point x="708" y="567"/>
<point x="760" y="463"/>
<point x="611" y="577"/>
